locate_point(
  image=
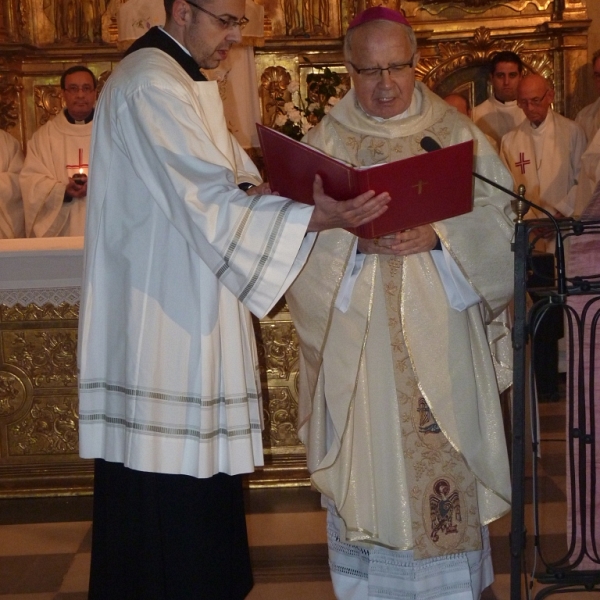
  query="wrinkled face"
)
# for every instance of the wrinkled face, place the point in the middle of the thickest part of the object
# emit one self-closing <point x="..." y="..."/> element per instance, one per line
<point x="534" y="96"/>
<point x="79" y="95"/>
<point x="505" y="81"/>
<point x="206" y="37"/>
<point x="597" y="75"/>
<point x="382" y="44"/>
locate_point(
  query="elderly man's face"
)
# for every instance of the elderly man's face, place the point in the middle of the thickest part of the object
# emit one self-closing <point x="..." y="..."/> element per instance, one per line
<point x="211" y="30"/>
<point x="79" y="95"/>
<point x="382" y="44"/>
<point x="535" y="96"/>
<point x="505" y="81"/>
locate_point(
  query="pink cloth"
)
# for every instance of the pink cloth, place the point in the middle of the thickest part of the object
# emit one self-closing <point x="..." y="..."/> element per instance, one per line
<point x="378" y="13"/>
<point x="584" y="260"/>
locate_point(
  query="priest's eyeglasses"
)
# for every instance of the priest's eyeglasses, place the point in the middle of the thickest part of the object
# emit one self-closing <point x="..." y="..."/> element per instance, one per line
<point x="377" y="72"/>
<point x="226" y="22"/>
<point x="86" y="88"/>
<point x="522" y="103"/>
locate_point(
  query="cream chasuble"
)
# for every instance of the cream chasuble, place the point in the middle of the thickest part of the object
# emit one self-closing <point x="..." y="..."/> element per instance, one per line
<point x="399" y="395"/>
<point x="546" y="160"/>
<point x="497" y="118"/>
<point x="589" y="119"/>
<point x="56" y="151"/>
<point x="12" y="224"/>
<point x="175" y="256"/>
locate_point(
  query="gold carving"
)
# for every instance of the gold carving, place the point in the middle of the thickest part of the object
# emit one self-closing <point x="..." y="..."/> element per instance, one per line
<point x="435" y="7"/>
<point x="9" y="102"/>
<point x="12" y="394"/>
<point x="48" y="102"/>
<point x="76" y="20"/>
<point x="49" y="428"/>
<point x="281" y="415"/>
<point x="452" y="56"/>
<point x="274" y="92"/>
<point x="278" y="348"/>
<point x="47" y="357"/>
<point x="33" y="312"/>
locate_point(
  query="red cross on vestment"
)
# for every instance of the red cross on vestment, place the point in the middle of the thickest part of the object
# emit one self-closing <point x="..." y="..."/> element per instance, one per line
<point x="522" y="162"/>
<point x="81" y="164"/>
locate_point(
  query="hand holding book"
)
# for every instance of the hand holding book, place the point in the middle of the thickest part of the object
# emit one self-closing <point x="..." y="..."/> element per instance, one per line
<point x="330" y="213"/>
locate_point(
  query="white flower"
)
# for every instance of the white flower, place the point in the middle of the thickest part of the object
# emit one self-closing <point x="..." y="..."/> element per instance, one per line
<point x="341" y="89"/>
<point x="293" y="87"/>
<point x="333" y="101"/>
<point x="295" y="116"/>
<point x="280" y="120"/>
<point x="313" y="106"/>
<point x="289" y="107"/>
<point x="326" y="109"/>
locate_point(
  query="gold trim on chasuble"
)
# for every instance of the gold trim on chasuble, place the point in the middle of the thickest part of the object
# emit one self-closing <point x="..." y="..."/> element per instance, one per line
<point x="443" y="491"/>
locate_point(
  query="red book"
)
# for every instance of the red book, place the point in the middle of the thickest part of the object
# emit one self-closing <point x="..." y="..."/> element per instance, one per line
<point x="424" y="188"/>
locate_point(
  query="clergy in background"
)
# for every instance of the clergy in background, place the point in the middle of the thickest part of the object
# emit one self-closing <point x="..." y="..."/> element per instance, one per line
<point x="182" y="242"/>
<point x="54" y="175"/>
<point x="12" y="224"/>
<point x="544" y="152"/>
<point x="399" y="390"/>
<point x="499" y="113"/>
<point x="589" y="116"/>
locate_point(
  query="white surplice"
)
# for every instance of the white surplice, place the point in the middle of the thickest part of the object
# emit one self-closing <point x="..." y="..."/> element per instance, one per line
<point x="12" y="224"/>
<point x="56" y="151"/>
<point x="589" y="119"/>
<point x="497" y="118"/>
<point x="176" y="254"/>
<point x="546" y="160"/>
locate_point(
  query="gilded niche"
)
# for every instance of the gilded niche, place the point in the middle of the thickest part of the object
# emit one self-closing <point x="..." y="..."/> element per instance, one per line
<point x="9" y="101"/>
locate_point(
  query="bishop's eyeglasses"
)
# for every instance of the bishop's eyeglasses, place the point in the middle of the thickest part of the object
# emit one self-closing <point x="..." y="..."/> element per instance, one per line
<point x="377" y="72"/>
<point x="226" y="22"/>
<point x="522" y="103"/>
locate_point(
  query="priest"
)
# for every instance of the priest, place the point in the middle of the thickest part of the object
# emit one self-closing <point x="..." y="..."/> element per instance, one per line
<point x="399" y="387"/>
<point x="589" y="116"/>
<point x="544" y="152"/>
<point x="182" y="242"/>
<point x="54" y="176"/>
<point x="12" y="224"/>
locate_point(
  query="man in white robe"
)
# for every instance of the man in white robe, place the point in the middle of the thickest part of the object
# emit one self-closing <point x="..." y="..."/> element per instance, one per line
<point x="589" y="116"/>
<point x="544" y="152"/>
<point x="399" y="391"/>
<point x="176" y="255"/>
<point x="12" y="224"/>
<point x="499" y="114"/>
<point x="54" y="175"/>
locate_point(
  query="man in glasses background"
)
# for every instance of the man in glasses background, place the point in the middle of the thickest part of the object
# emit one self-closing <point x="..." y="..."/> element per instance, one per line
<point x="399" y="406"/>
<point x="54" y="176"/>
<point x="182" y="241"/>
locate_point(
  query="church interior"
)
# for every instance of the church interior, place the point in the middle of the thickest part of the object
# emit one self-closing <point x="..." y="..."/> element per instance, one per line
<point x="45" y="488"/>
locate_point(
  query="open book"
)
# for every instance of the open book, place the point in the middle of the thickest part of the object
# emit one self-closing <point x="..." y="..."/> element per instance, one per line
<point x="424" y="188"/>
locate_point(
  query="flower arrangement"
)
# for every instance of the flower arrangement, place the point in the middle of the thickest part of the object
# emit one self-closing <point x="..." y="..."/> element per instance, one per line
<point x="324" y="91"/>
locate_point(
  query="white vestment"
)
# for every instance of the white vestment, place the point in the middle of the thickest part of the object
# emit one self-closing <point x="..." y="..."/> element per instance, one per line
<point x="12" y="224"/>
<point x="497" y="118"/>
<point x="56" y="151"/>
<point x="546" y="160"/>
<point x="589" y="175"/>
<point x="589" y="119"/>
<point x="350" y="414"/>
<point x="175" y="256"/>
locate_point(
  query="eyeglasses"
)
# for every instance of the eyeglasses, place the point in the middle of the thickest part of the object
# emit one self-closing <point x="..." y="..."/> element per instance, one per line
<point x="226" y="22"/>
<point x="532" y="102"/>
<point x="377" y="72"/>
<point x="73" y="89"/>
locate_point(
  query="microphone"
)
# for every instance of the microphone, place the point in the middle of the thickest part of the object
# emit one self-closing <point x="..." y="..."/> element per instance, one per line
<point x="430" y="145"/>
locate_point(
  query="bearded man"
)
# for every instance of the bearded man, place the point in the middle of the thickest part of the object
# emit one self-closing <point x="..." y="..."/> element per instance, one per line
<point x="399" y="390"/>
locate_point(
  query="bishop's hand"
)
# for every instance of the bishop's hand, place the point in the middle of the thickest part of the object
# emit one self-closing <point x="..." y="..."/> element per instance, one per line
<point x="330" y="213"/>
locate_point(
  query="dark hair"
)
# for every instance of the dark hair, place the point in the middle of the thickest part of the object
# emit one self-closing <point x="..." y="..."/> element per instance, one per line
<point x="169" y="7"/>
<point x="506" y="56"/>
<point x="76" y="69"/>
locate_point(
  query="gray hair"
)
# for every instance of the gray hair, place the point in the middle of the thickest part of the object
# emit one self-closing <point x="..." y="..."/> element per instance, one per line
<point x="408" y="31"/>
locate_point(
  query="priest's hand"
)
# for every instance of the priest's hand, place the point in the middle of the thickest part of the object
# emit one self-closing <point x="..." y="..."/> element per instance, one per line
<point x="261" y="188"/>
<point x="402" y="243"/>
<point x="76" y="190"/>
<point x="330" y="213"/>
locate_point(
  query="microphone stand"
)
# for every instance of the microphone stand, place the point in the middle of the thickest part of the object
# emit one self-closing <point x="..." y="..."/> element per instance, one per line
<point x="560" y="251"/>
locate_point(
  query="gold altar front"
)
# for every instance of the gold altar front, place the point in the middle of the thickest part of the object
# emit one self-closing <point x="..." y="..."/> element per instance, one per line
<point x="39" y="39"/>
